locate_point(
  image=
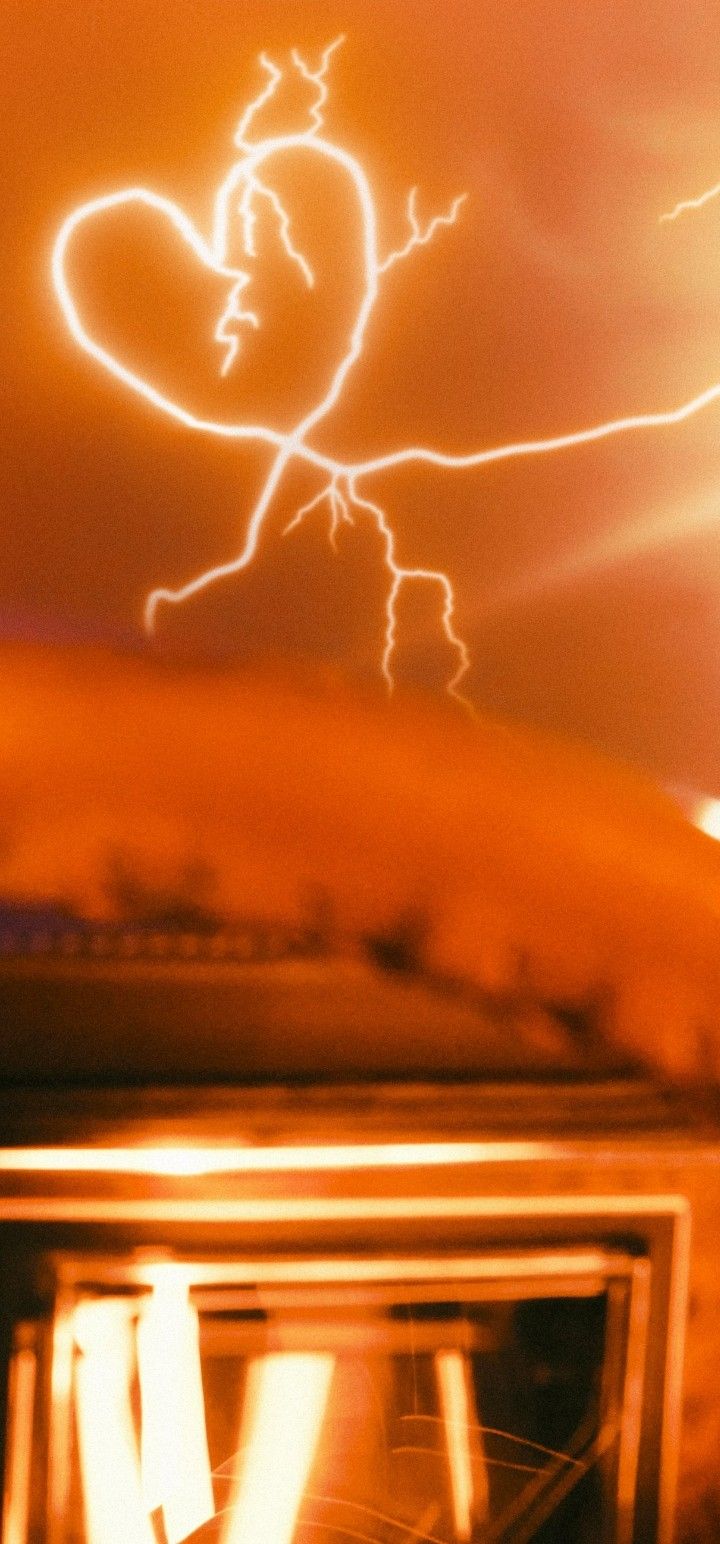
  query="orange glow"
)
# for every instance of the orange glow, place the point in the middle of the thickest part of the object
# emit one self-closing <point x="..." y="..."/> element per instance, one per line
<point x="115" y="1511"/>
<point x="175" y="1463"/>
<point x="452" y="1378"/>
<point x="285" y="1403"/>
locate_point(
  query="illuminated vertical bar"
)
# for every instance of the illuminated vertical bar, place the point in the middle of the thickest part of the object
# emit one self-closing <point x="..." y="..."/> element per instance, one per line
<point x="285" y="1403"/>
<point x="468" y="1482"/>
<point x="115" y="1511"/>
<point x="175" y="1462"/>
<point x="18" y="1463"/>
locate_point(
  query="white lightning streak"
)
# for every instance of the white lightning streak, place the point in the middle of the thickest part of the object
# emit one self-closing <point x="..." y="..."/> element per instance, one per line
<point x="236" y="194"/>
<point x="268" y="91"/>
<point x="399" y="576"/>
<point x="419" y="237"/>
<point x="691" y="203"/>
<point x="234" y="313"/>
<point x="659" y="420"/>
<point x="338" y="512"/>
<point x="318" y="78"/>
<point x="283" y="220"/>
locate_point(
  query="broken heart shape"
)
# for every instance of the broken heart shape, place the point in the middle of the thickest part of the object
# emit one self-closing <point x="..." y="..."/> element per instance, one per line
<point x="238" y="196"/>
<point x="238" y="199"/>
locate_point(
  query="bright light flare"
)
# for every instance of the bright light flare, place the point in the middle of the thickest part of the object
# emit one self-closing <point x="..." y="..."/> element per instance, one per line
<point x="175" y="1463"/>
<point x="707" y="817"/>
<point x="286" y="1399"/>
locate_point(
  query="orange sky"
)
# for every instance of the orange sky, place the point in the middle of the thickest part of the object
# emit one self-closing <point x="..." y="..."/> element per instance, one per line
<point x="557" y="301"/>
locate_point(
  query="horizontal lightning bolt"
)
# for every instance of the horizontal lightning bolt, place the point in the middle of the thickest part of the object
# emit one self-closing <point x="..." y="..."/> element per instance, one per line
<point x="691" y="203"/>
<point x="238" y="193"/>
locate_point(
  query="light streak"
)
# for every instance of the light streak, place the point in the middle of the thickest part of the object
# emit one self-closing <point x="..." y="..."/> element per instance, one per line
<point x="237" y="195"/>
<point x="191" y="1162"/>
<point x="686" y="204"/>
<point x="175" y="1463"/>
<point x="680" y="522"/>
<point x="452" y="1378"/>
<point x="19" y="1437"/>
<point x="234" y="313"/>
<point x="285" y="1403"/>
<point x="338" y="507"/>
<point x="283" y="220"/>
<point x="115" y="1511"/>
<point x="670" y="525"/>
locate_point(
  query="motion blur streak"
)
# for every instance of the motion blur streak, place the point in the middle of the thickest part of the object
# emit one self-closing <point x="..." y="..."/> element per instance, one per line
<point x="196" y="1161"/>
<point x="286" y="1398"/>
<point x="115" y="1511"/>
<point x="175" y="1463"/>
<point x="451" y="1373"/>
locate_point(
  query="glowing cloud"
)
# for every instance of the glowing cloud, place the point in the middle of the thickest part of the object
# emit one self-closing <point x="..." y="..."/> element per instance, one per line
<point x="240" y="194"/>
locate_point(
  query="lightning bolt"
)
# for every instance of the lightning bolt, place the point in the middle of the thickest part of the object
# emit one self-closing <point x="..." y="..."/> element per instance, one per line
<point x="238" y="194"/>
<point x="318" y="78"/>
<point x="234" y="313"/>
<point x="691" y="203"/>
<point x="256" y="105"/>
<point x="419" y="237"/>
